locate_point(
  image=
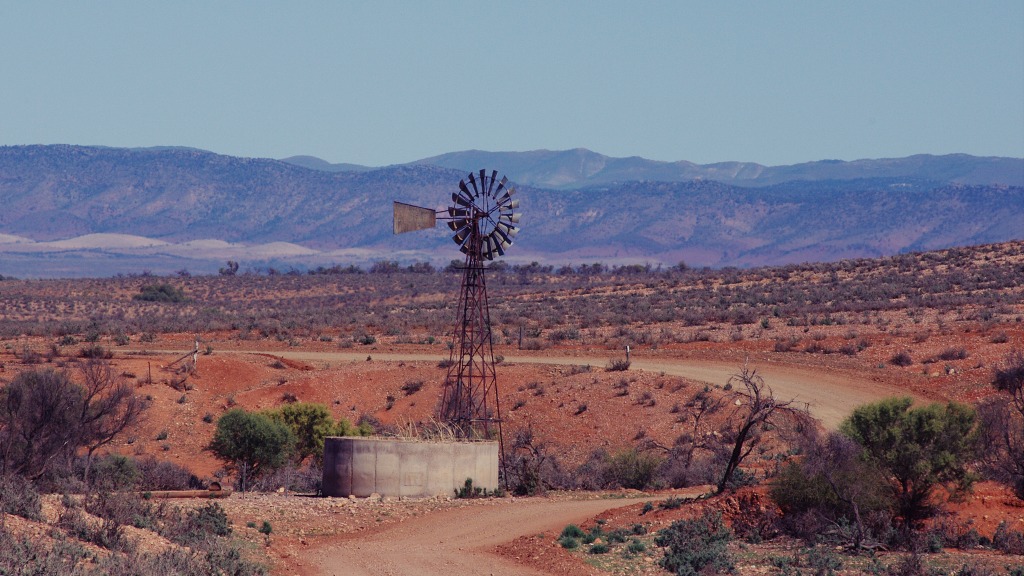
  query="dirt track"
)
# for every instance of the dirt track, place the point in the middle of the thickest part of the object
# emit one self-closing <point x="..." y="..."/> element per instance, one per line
<point x="829" y="394"/>
<point x="461" y="540"/>
<point x="457" y="541"/>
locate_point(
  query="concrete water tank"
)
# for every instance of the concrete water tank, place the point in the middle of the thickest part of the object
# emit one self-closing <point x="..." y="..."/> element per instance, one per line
<point x="356" y="466"/>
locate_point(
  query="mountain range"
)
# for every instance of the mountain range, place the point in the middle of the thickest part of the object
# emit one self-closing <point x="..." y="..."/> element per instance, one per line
<point x="81" y="210"/>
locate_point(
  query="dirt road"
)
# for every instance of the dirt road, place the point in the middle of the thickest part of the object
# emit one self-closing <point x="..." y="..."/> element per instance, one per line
<point x="462" y="540"/>
<point x="457" y="541"/>
<point x="830" y="395"/>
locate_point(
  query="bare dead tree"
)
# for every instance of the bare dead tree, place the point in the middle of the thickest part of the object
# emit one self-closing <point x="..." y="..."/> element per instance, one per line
<point x="109" y="407"/>
<point x="756" y="408"/>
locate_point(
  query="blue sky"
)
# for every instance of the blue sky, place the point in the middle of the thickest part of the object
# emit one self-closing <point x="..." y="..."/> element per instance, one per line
<point x="380" y="83"/>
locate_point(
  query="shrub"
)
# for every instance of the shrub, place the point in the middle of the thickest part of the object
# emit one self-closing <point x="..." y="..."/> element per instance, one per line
<point x="632" y="469"/>
<point x="635" y="547"/>
<point x="310" y="423"/>
<point x="954" y="354"/>
<point x="572" y="531"/>
<point x="160" y="293"/>
<point x="617" y="365"/>
<point x="160" y="475"/>
<point x="19" y="497"/>
<point x="599" y="548"/>
<point x="1010" y="376"/>
<point x="671" y="503"/>
<point x="569" y="543"/>
<point x="412" y="386"/>
<point x="115" y="472"/>
<point x="95" y="352"/>
<point x="901" y="359"/>
<point x="1008" y="541"/>
<point x="469" y="491"/>
<point x="210" y="519"/>
<point x="39" y="410"/>
<point x="696" y="546"/>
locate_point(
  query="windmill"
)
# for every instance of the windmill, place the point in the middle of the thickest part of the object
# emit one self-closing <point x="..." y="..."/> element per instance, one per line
<point x="484" y="219"/>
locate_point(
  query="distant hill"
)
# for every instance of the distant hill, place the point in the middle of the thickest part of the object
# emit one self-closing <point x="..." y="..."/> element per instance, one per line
<point x="76" y="210"/>
<point x="320" y="164"/>
<point x="581" y="168"/>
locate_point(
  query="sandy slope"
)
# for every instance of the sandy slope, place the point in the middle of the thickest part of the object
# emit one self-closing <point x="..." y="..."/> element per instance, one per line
<point x="829" y="394"/>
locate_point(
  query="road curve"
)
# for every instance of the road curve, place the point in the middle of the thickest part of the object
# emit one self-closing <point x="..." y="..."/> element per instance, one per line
<point x="457" y="540"/>
<point x="830" y="395"/>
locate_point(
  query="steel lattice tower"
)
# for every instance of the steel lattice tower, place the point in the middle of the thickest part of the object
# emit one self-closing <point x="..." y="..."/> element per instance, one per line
<point x="470" y="401"/>
<point x="485" y="219"/>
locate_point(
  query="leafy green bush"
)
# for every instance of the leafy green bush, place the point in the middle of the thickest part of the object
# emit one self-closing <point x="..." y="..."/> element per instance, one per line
<point x="632" y="469"/>
<point x="210" y="519"/>
<point x="470" y="491"/>
<point x="572" y="531"/>
<point x="310" y="423"/>
<point x="918" y="449"/>
<point x="696" y="546"/>
<point x="252" y="443"/>
<point x="635" y="547"/>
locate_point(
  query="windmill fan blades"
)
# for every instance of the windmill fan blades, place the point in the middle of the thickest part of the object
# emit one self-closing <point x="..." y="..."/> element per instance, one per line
<point x="507" y="196"/>
<point x="501" y="235"/>
<point x="501" y="186"/>
<point x="472" y="181"/>
<point x="462" y="186"/>
<point x="507" y="231"/>
<point x="510" y="218"/>
<point x="496" y="245"/>
<point x="490" y="187"/>
<point x="458" y="199"/>
<point x="488" y="250"/>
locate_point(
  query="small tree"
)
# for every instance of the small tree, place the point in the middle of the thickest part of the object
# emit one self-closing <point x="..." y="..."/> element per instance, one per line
<point x="310" y="424"/>
<point x="251" y="443"/>
<point x="917" y="448"/>
<point x="757" y="409"/>
<point x="109" y="407"/>
<point x="832" y="482"/>
<point x="39" y="422"/>
<point x="1002" y="425"/>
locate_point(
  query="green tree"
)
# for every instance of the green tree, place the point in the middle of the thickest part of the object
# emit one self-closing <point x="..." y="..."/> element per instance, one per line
<point x="252" y="443"/>
<point x="918" y="449"/>
<point x="310" y="423"/>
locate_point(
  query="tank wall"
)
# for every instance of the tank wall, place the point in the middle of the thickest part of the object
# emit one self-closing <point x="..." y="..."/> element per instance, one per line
<point x="392" y="467"/>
